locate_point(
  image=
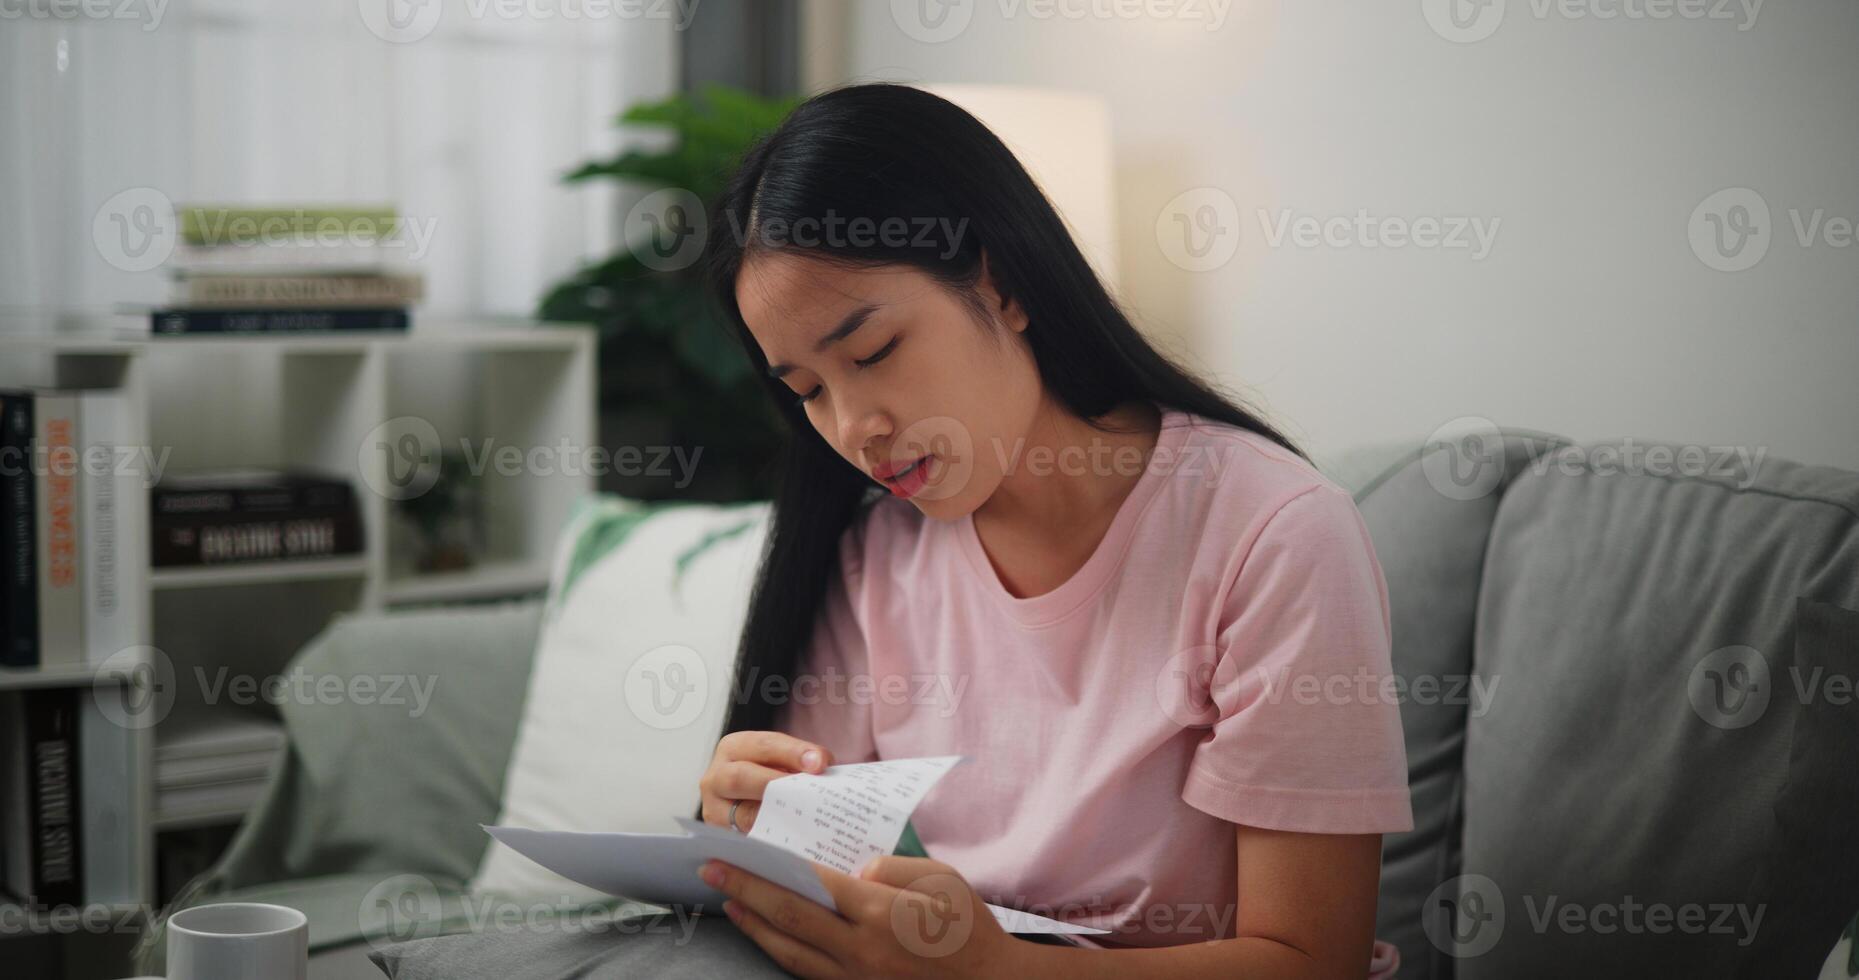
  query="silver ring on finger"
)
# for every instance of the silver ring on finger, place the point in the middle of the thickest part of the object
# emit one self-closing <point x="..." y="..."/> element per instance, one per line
<point x="732" y="816"/>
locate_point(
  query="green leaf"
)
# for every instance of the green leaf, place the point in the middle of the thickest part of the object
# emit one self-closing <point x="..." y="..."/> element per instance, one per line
<point x="665" y="349"/>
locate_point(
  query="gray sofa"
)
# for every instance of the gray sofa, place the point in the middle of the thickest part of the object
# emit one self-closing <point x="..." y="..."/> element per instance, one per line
<point x="1574" y="633"/>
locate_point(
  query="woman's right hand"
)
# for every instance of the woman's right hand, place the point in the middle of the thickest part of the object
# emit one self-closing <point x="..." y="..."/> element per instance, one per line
<point x="742" y="766"/>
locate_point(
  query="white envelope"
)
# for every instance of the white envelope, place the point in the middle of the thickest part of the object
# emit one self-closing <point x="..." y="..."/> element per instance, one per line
<point x="841" y="817"/>
<point x="661" y="869"/>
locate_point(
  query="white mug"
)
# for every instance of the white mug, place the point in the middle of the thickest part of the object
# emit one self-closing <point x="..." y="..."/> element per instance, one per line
<point x="238" y="941"/>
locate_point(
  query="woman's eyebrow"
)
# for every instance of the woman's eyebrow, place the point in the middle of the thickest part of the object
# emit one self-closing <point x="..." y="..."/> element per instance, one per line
<point x="850" y="323"/>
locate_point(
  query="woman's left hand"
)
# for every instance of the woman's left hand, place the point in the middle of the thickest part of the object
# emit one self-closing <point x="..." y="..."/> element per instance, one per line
<point x="900" y="917"/>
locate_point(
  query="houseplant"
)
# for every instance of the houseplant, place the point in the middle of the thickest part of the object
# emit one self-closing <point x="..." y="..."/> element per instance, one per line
<point x="669" y="373"/>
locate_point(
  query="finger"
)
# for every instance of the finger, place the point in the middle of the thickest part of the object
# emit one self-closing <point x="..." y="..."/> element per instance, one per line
<point x="899" y="871"/>
<point x="856" y="899"/>
<point x="744" y="780"/>
<point x="781" y="750"/>
<point x="716" y="812"/>
<point x="933" y="888"/>
<point x="789" y="954"/>
<point x="804" y="919"/>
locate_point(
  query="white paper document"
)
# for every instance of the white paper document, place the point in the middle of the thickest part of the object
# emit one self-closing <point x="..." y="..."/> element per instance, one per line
<point x="846" y="815"/>
<point x="841" y="818"/>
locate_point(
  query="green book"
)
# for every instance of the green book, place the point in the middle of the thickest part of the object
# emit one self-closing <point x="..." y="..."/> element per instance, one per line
<point x="203" y="224"/>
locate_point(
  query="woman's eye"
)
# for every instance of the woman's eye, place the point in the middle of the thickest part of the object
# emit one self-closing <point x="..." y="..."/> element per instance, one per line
<point x="883" y="352"/>
<point x="808" y="396"/>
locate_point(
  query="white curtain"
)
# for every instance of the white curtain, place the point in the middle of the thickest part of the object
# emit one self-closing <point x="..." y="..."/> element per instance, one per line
<point x="465" y="128"/>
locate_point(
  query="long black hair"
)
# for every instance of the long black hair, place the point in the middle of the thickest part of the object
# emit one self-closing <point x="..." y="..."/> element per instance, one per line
<point x="883" y="152"/>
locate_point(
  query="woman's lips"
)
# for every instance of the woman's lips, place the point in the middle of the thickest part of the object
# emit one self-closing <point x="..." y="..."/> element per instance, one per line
<point x="906" y="481"/>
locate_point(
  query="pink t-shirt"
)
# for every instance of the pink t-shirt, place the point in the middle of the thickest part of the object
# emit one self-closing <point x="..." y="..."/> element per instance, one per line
<point x="1219" y="659"/>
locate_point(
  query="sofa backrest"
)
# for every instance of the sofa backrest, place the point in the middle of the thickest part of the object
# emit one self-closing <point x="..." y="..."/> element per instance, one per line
<point x="1430" y="515"/>
<point x="1618" y="607"/>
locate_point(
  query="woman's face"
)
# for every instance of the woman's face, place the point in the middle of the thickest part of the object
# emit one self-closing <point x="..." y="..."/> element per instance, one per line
<point x="896" y="375"/>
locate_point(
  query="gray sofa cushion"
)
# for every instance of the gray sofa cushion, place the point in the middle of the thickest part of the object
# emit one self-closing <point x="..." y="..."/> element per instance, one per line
<point x="1430" y="517"/>
<point x="1640" y="628"/>
<point x="390" y="787"/>
<point x="370" y="791"/>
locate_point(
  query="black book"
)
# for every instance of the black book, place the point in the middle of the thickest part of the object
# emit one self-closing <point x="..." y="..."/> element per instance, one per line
<point x="19" y="578"/>
<point x="278" y="321"/>
<point x="222" y="539"/>
<point x="249" y="492"/>
<point x="40" y="822"/>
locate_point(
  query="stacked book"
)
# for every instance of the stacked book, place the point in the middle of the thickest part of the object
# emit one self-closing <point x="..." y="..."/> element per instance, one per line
<point x="288" y="270"/>
<point x="213" y="766"/>
<point x="251" y="515"/>
<point x="71" y="587"/>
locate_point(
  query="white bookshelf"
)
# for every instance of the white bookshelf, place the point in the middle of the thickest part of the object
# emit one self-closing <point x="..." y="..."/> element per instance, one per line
<point x="305" y="401"/>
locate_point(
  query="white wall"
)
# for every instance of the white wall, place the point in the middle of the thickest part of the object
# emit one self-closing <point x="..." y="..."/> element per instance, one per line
<point x="1589" y="142"/>
<point x="465" y="122"/>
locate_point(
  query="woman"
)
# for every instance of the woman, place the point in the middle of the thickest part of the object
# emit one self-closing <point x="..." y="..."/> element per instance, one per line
<point x="1156" y="632"/>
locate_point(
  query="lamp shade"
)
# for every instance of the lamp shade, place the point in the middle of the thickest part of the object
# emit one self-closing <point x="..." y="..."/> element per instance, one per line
<point x="1063" y="140"/>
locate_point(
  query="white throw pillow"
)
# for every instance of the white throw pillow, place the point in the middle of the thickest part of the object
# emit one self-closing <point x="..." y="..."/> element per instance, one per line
<point x="631" y="678"/>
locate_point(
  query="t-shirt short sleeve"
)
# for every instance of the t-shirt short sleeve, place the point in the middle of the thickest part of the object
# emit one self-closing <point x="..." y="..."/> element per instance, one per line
<point x="1305" y="728"/>
<point x="817" y="707"/>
